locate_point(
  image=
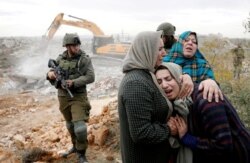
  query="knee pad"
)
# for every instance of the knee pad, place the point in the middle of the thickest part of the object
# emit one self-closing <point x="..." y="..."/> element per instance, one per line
<point x="80" y="129"/>
<point x="70" y="127"/>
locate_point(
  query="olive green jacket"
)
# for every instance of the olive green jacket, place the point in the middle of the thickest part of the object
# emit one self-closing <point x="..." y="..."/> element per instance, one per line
<point x="79" y="69"/>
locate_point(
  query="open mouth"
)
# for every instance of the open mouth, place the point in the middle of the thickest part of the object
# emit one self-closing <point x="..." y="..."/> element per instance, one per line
<point x="189" y="48"/>
<point x="168" y="92"/>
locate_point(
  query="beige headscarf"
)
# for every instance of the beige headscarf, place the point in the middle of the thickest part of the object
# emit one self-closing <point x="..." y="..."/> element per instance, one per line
<point x="143" y="52"/>
<point x="143" y="55"/>
<point x="180" y="105"/>
<point x="185" y="154"/>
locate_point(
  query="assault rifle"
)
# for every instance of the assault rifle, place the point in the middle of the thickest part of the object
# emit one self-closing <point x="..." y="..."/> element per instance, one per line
<point x="61" y="76"/>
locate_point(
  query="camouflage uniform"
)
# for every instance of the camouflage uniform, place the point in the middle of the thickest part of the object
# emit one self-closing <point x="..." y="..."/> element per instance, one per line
<point x="238" y="57"/>
<point x="75" y="110"/>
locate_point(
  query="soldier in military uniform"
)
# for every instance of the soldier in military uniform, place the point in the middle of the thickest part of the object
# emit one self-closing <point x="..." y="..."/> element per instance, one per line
<point x="238" y="57"/>
<point x="75" y="110"/>
<point x="168" y="38"/>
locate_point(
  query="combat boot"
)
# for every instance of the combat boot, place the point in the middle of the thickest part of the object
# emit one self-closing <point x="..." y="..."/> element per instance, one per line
<point x="72" y="150"/>
<point x="81" y="156"/>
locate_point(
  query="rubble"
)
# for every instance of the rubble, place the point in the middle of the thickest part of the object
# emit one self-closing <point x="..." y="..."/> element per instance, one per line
<point x="54" y="138"/>
<point x="32" y="128"/>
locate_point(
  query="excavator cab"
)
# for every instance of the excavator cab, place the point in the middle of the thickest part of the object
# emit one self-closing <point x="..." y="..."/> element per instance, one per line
<point x="99" y="41"/>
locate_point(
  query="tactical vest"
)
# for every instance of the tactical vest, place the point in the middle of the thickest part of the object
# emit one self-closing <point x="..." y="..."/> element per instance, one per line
<point x="71" y="66"/>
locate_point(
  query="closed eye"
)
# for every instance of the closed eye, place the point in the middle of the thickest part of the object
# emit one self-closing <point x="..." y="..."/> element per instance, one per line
<point x="169" y="78"/>
<point x="159" y="81"/>
<point x="160" y="48"/>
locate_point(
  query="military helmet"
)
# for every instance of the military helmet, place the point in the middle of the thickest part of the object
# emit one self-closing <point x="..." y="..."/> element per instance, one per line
<point x="167" y="28"/>
<point x="71" y="39"/>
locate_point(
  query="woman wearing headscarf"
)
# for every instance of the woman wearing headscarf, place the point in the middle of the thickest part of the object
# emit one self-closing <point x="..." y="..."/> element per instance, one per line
<point x="185" y="53"/>
<point x="215" y="132"/>
<point x="142" y="104"/>
<point x="142" y="107"/>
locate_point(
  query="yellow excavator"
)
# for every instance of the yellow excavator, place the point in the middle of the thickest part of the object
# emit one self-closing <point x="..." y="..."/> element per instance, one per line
<point x="102" y="44"/>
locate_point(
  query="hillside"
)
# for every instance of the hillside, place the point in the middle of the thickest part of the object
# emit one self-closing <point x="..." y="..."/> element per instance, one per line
<point x="33" y="130"/>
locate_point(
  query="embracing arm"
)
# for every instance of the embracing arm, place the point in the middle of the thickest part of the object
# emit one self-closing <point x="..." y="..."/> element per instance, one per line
<point x="187" y="86"/>
<point x="217" y="136"/>
<point x="211" y="89"/>
<point x="209" y="86"/>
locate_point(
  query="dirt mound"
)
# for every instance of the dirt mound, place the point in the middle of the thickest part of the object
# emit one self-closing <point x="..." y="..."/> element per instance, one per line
<point x="32" y="129"/>
<point x="45" y="139"/>
<point x="7" y="156"/>
<point x="36" y="154"/>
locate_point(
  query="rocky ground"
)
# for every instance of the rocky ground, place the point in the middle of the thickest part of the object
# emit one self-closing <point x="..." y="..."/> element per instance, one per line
<point x="31" y="126"/>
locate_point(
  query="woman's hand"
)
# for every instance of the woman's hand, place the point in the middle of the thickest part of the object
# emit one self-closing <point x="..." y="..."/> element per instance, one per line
<point x="187" y="86"/>
<point x="171" y="124"/>
<point x="210" y="90"/>
<point x="181" y="126"/>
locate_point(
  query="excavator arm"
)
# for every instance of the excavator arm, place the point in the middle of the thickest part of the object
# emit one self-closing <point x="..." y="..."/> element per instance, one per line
<point x="82" y="23"/>
<point x="102" y="44"/>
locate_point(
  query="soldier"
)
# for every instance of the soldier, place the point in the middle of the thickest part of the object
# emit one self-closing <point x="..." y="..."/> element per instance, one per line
<point x="238" y="57"/>
<point x="168" y="38"/>
<point x="75" y="110"/>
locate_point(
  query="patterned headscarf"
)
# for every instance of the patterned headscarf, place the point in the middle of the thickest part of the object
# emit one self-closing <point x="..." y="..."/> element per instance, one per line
<point x="197" y="67"/>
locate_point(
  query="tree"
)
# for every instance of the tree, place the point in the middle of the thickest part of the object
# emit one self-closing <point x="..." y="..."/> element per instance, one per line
<point x="246" y="24"/>
<point x="216" y="50"/>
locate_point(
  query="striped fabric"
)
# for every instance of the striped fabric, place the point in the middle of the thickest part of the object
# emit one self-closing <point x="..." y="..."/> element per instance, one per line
<point x="217" y="134"/>
<point x="197" y="67"/>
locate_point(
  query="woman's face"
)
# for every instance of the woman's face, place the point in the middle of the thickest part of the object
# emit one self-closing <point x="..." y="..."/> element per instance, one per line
<point x="168" y="83"/>
<point x="189" y="46"/>
<point x="161" y="53"/>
